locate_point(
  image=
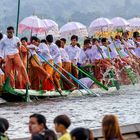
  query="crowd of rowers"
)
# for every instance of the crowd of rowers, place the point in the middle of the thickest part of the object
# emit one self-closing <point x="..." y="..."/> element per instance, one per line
<point x="32" y="62"/>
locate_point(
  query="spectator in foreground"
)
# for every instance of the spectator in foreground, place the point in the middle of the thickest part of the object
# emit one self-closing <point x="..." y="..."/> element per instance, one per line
<point x="62" y="123"/>
<point x="38" y="128"/>
<point x="4" y="125"/>
<point x="110" y="128"/>
<point x="82" y="134"/>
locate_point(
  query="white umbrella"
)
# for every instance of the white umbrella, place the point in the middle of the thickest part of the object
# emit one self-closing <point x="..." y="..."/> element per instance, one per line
<point x="50" y="24"/>
<point x="73" y="28"/>
<point x="134" y="23"/>
<point x="32" y="23"/>
<point x="119" y="22"/>
<point x="100" y="24"/>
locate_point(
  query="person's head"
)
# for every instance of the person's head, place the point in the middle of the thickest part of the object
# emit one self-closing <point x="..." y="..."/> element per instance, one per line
<point x="34" y="40"/>
<point x="94" y="40"/>
<point x="63" y="42"/>
<point x="1" y="36"/>
<point x="58" y="43"/>
<point x="43" y="41"/>
<point x="81" y="134"/>
<point x="50" y="135"/>
<point x="104" y="41"/>
<point x="126" y="35"/>
<point x="110" y="128"/>
<point x="87" y="44"/>
<point x="10" y="32"/>
<point x="49" y="39"/>
<point x="62" y="123"/>
<point x="74" y="40"/>
<point x="24" y="41"/>
<point x="4" y="125"/>
<point x="135" y="34"/>
<point x="37" y="123"/>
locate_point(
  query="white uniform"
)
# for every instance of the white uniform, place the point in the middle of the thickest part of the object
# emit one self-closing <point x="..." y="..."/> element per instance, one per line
<point x="83" y="59"/>
<point x="55" y="53"/>
<point x="73" y="52"/>
<point x="130" y="44"/>
<point x="10" y="45"/>
<point x="45" y="52"/>
<point x="64" y="55"/>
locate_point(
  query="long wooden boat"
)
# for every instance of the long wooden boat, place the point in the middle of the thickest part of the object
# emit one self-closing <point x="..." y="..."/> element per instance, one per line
<point x="10" y="94"/>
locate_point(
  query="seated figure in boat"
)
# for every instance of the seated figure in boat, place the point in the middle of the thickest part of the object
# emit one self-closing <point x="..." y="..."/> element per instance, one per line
<point x="13" y="63"/>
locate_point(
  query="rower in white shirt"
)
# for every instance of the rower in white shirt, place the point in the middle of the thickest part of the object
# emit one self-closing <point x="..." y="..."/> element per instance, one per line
<point x="56" y="55"/>
<point x="74" y="53"/>
<point x="36" y="72"/>
<point x="11" y="45"/>
<point x="66" y="64"/>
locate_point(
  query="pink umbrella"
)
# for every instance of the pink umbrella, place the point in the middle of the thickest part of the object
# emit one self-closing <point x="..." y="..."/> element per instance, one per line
<point x="32" y="23"/>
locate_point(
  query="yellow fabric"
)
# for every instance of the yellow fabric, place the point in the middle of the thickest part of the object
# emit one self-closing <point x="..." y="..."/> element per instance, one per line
<point x="65" y="137"/>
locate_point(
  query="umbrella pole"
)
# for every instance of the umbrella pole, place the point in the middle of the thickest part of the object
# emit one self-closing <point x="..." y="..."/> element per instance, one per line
<point x="18" y="13"/>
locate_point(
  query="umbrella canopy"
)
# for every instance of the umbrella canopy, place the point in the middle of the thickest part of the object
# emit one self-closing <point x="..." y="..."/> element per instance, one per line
<point x="51" y="27"/>
<point x="134" y="23"/>
<point x="73" y="28"/>
<point x="119" y="22"/>
<point x="100" y="24"/>
<point x="32" y="23"/>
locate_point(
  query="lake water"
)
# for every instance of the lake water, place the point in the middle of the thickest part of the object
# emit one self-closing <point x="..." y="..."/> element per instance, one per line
<point x="86" y="111"/>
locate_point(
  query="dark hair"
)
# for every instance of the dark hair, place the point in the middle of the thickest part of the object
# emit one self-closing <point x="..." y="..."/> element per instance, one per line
<point x="64" y="40"/>
<point x="74" y="37"/>
<point x="50" y="135"/>
<point x="80" y="133"/>
<point x="24" y="39"/>
<point x="43" y="41"/>
<point x="1" y="36"/>
<point x="58" y="43"/>
<point x="103" y="40"/>
<point x="33" y="38"/>
<point x="40" y="119"/>
<point x="135" y="34"/>
<point x="10" y="28"/>
<point x="49" y="38"/>
<point x="86" y="41"/>
<point x="78" y="45"/>
<point x="4" y="125"/>
<point x="64" y="120"/>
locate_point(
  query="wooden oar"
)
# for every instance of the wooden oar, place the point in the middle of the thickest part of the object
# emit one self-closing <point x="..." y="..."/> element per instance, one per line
<point x="49" y="78"/>
<point x="75" y="79"/>
<point x="91" y="77"/>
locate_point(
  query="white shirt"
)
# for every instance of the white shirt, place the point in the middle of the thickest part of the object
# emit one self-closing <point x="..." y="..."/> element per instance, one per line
<point x="10" y="46"/>
<point x="113" y="53"/>
<point x="73" y="52"/>
<point x="55" y="53"/>
<point x="45" y="52"/>
<point x="32" y="50"/>
<point x="64" y="55"/>
<point x="94" y="53"/>
<point x="83" y="57"/>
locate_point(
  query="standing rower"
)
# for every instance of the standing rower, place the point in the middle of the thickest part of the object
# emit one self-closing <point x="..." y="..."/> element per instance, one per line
<point x="55" y="53"/>
<point x="74" y="53"/>
<point x="11" y="46"/>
